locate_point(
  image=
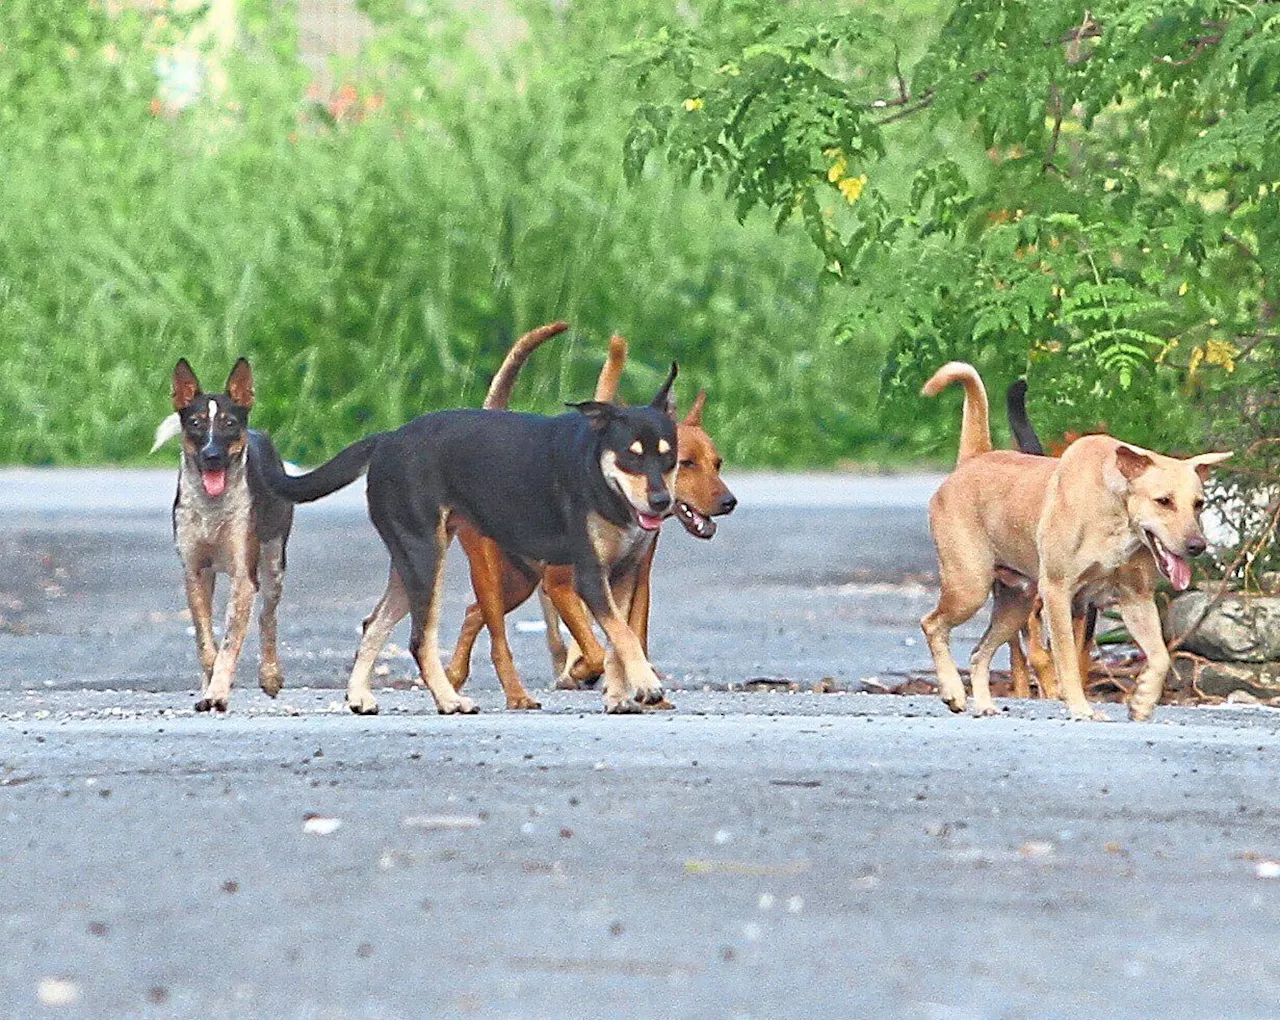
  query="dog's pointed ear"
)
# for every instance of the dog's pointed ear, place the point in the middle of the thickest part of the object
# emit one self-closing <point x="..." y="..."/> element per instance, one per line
<point x="694" y="417"/>
<point x="1204" y="463"/>
<point x="598" y="412"/>
<point x="1131" y="462"/>
<point x="664" y="400"/>
<point x="186" y="387"/>
<point x="240" y="384"/>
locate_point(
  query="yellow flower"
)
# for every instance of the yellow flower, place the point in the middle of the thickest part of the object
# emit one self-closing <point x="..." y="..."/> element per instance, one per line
<point x="1221" y="353"/>
<point x="838" y="165"/>
<point x="1183" y="288"/>
<point x="851" y="187"/>
<point x="693" y="104"/>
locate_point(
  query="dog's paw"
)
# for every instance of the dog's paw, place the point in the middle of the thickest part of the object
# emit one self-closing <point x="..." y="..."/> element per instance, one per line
<point x="567" y="683"/>
<point x="1087" y="714"/>
<point x="585" y="671"/>
<point x="956" y="704"/>
<point x="1140" y="713"/>
<point x="270" y="679"/>
<point x="463" y="706"/>
<point x="363" y="704"/>
<point x="523" y="703"/>
<point x="623" y="706"/>
<point x="985" y="712"/>
<point x="663" y="705"/>
<point x="650" y="696"/>
<point x="212" y="704"/>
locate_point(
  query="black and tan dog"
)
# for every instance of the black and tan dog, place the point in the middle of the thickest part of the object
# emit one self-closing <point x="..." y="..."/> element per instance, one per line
<point x="226" y="520"/>
<point x="583" y="489"/>
<point x="501" y="584"/>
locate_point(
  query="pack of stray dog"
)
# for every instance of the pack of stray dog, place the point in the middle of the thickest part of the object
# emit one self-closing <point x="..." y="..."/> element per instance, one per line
<point x="574" y="501"/>
<point x="571" y="506"/>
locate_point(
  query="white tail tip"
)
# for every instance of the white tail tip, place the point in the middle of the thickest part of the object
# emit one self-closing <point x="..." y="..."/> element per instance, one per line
<point x="168" y="429"/>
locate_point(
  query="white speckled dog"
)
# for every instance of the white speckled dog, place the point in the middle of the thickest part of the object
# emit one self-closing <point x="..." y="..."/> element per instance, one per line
<point x="226" y="520"/>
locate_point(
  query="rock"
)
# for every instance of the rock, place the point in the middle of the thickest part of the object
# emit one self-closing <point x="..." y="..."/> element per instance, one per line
<point x="1239" y="628"/>
<point x="1261" y="680"/>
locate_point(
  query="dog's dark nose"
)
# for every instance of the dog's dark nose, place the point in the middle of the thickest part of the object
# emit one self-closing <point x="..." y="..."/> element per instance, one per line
<point x="659" y="502"/>
<point x="212" y="459"/>
<point x="1196" y="545"/>
<point x="727" y="502"/>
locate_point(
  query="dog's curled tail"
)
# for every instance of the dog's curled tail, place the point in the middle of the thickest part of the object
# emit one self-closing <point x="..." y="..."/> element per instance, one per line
<point x="1024" y="433"/>
<point x="611" y="372"/>
<point x="343" y="469"/>
<point x="975" y="428"/>
<point x="504" y="379"/>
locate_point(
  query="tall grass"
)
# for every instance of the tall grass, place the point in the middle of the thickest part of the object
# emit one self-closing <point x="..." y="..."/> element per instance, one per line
<point x="376" y="265"/>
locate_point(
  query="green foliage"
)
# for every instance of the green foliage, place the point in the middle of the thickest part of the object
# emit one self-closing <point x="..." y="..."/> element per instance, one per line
<point x="375" y="245"/>
<point x="1083" y="195"/>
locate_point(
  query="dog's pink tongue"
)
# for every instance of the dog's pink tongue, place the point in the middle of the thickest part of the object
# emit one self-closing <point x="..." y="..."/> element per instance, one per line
<point x="215" y="482"/>
<point x="650" y="522"/>
<point x="1179" y="573"/>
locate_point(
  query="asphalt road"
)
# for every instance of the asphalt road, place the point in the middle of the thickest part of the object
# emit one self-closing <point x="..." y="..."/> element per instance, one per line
<point x="776" y="853"/>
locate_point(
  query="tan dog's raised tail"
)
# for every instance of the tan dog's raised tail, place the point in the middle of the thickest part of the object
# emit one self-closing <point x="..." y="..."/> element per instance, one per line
<point x="1106" y="519"/>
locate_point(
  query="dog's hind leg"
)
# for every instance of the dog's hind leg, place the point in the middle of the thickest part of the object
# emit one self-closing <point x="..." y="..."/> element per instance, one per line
<point x="459" y="667"/>
<point x="1019" y="669"/>
<point x="378" y="625"/>
<point x="1041" y="660"/>
<point x="1143" y="622"/>
<point x="1007" y="618"/>
<point x="487" y="580"/>
<point x="420" y="560"/>
<point x="271" y="581"/>
<point x="555" y="640"/>
<point x="961" y="598"/>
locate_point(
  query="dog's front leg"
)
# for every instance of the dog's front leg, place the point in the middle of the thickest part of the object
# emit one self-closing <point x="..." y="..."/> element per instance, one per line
<point x="638" y="675"/>
<point x="1143" y="621"/>
<point x="217" y="695"/>
<point x="584" y="659"/>
<point x="199" y="585"/>
<point x="1066" y="663"/>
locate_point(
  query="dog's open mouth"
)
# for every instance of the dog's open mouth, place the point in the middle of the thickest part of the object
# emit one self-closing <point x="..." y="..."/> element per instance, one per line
<point x="650" y="522"/>
<point x="698" y="525"/>
<point x="1174" y="567"/>
<point x="215" y="482"/>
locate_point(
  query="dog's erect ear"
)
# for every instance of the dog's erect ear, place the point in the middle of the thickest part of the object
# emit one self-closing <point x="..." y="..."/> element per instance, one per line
<point x="694" y="417"/>
<point x="1132" y="462"/>
<point x="240" y="384"/>
<point x="1204" y="463"/>
<point x="664" y="400"/>
<point x="186" y="387"/>
<point x="598" y="412"/>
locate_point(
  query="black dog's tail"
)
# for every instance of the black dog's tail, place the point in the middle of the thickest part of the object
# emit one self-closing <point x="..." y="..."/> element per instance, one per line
<point x="1015" y="401"/>
<point x="343" y="469"/>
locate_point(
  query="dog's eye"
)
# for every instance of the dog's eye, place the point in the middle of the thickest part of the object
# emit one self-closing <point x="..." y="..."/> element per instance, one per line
<point x="1165" y="501"/>
<point x="687" y="464"/>
<point x="719" y="465"/>
<point x="1199" y="505"/>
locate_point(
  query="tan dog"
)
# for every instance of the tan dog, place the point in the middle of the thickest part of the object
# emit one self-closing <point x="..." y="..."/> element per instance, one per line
<point x="1105" y="520"/>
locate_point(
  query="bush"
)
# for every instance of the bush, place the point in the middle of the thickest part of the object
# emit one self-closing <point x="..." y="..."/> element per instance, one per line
<point x="375" y="248"/>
